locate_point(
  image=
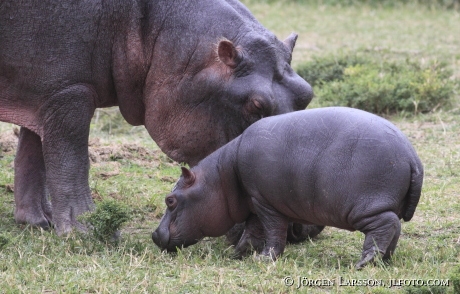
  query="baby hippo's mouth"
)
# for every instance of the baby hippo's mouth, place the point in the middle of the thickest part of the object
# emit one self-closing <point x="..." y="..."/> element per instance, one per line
<point x="161" y="238"/>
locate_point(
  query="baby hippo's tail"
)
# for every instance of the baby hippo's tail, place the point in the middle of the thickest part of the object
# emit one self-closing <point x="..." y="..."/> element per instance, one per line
<point x="415" y="189"/>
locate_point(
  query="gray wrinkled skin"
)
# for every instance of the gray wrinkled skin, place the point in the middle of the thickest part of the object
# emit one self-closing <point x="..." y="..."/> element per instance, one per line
<point x="195" y="73"/>
<point x="335" y="166"/>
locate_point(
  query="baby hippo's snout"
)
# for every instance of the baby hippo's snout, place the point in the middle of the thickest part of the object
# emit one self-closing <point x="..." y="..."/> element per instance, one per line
<point x="159" y="240"/>
<point x="161" y="237"/>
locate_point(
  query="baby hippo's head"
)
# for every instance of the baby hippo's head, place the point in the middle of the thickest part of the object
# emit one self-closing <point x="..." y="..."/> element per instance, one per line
<point x="195" y="209"/>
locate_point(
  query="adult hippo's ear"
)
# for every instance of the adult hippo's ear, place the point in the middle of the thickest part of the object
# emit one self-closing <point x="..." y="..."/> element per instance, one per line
<point x="290" y="41"/>
<point x="188" y="175"/>
<point x="228" y="53"/>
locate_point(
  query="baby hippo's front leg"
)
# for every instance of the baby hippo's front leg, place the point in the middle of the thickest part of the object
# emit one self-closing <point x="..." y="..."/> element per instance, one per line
<point x="275" y="228"/>
<point x="253" y="237"/>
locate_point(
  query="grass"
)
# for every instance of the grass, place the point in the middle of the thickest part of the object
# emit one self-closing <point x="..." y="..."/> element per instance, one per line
<point x="128" y="167"/>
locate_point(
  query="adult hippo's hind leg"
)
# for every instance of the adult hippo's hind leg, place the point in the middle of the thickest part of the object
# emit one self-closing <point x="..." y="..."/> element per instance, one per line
<point x="66" y="118"/>
<point x="30" y="195"/>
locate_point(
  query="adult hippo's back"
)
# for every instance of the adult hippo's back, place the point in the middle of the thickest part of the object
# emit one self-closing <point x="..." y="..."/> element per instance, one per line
<point x="195" y="73"/>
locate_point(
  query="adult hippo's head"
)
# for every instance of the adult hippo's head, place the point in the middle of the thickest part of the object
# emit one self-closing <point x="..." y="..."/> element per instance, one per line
<point x="214" y="71"/>
<point x="242" y="83"/>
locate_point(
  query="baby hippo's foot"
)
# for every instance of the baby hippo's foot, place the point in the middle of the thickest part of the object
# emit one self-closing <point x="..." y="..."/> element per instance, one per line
<point x="263" y="258"/>
<point x="234" y="235"/>
<point x="299" y="232"/>
<point x="368" y="257"/>
<point x="269" y="254"/>
<point x="252" y="238"/>
<point x="381" y="238"/>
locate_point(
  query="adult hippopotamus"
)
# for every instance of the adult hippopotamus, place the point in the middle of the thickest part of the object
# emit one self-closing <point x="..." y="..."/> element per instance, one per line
<point x="195" y="73"/>
<point x="339" y="167"/>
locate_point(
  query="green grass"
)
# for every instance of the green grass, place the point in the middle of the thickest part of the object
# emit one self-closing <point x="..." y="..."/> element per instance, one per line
<point x="127" y="166"/>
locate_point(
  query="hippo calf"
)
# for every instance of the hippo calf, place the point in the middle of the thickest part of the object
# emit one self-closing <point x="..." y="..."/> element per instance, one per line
<point x="335" y="166"/>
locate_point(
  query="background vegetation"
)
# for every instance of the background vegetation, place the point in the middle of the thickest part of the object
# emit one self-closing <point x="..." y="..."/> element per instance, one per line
<point x="379" y="86"/>
<point x="357" y="53"/>
<point x="434" y="4"/>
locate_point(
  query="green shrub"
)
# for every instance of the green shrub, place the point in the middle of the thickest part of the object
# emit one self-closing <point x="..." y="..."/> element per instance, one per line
<point x="425" y="290"/>
<point x="328" y="69"/>
<point x="377" y="86"/>
<point x="106" y="220"/>
<point x="455" y="279"/>
<point x="446" y="4"/>
<point x="443" y="4"/>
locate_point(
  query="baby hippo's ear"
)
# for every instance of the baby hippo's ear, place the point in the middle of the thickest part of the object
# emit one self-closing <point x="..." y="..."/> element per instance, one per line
<point x="188" y="175"/>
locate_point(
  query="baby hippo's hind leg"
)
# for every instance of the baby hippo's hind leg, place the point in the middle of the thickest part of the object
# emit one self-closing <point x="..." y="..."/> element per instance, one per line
<point x="252" y="238"/>
<point x="382" y="233"/>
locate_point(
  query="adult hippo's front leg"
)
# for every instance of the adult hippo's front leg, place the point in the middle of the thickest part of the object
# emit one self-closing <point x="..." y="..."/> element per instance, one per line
<point x="66" y="118"/>
<point x="32" y="205"/>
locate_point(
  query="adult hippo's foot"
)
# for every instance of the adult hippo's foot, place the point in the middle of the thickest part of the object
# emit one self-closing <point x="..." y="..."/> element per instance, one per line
<point x="296" y="233"/>
<point x="32" y="205"/>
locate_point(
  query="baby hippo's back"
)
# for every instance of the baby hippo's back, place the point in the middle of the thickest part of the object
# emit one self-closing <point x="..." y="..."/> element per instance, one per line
<point x="330" y="166"/>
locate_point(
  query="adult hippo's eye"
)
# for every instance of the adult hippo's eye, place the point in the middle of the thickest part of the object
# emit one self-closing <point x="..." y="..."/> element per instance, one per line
<point x="257" y="108"/>
<point x="257" y="104"/>
<point x="171" y="201"/>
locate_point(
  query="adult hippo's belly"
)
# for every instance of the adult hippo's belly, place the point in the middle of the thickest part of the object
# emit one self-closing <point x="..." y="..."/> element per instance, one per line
<point x="195" y="73"/>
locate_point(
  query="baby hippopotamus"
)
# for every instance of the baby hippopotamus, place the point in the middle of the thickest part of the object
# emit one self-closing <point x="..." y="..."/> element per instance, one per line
<point x="336" y="166"/>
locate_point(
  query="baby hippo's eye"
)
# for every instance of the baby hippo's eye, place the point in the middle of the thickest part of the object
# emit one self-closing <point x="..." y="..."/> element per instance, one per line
<point x="171" y="202"/>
